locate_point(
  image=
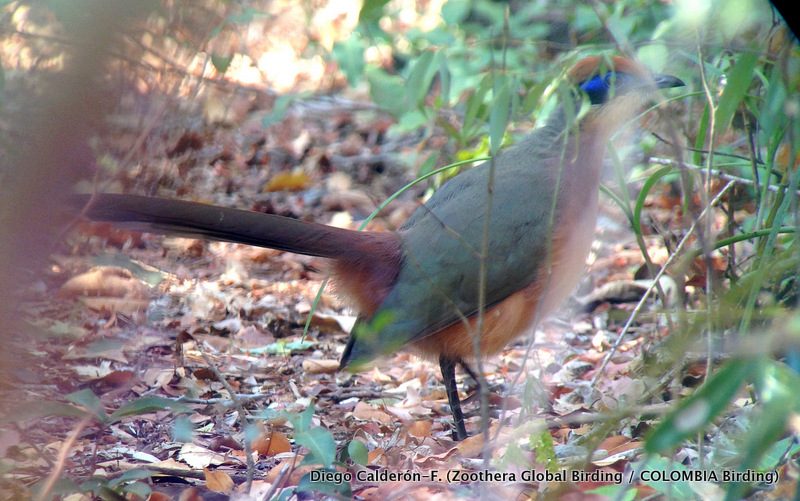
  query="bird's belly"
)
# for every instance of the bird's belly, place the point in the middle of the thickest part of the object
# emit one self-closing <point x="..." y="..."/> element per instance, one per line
<point x="501" y="323"/>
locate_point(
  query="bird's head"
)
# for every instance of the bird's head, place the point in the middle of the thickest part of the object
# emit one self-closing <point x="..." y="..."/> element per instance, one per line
<point x="616" y="88"/>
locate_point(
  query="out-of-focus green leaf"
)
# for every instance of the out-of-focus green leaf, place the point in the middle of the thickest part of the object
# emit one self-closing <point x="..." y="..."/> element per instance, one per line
<point x="221" y="63"/>
<point x="420" y="77"/>
<point x="387" y="91"/>
<point x="301" y="422"/>
<point x="279" y="109"/>
<point x="705" y="404"/>
<point x="371" y="11"/>
<point x="90" y="401"/>
<point x="739" y="80"/>
<point x="41" y="410"/>
<point x="350" y="57"/>
<point x="455" y="11"/>
<point x="646" y="187"/>
<point x="149" y="404"/>
<point x="500" y="114"/>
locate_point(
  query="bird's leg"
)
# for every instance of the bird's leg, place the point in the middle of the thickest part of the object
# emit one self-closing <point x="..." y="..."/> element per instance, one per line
<point x="474" y="376"/>
<point x="448" y="367"/>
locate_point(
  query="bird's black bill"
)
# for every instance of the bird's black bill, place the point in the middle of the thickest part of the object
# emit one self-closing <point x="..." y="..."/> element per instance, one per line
<point x="667" y="81"/>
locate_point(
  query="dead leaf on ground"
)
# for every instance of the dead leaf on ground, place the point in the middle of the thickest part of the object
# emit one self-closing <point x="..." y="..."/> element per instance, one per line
<point x="108" y="281"/>
<point x="366" y="412"/>
<point x="271" y="444"/>
<point x="218" y="481"/>
<point x="314" y="366"/>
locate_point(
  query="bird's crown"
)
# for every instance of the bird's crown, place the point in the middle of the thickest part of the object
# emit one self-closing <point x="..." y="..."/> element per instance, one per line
<point x="591" y="66"/>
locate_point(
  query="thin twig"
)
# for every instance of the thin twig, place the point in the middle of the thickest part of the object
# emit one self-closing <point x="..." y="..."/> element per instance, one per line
<point x="241" y="418"/>
<point x="55" y="475"/>
<point x="718" y="173"/>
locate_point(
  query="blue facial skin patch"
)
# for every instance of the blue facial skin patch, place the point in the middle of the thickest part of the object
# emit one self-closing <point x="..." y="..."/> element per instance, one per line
<point x="598" y="87"/>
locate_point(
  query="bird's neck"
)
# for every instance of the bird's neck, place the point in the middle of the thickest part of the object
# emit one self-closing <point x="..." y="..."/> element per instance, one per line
<point x="577" y="146"/>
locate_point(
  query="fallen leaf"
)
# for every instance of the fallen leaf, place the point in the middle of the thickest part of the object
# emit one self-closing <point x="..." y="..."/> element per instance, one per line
<point x="366" y="412"/>
<point x="295" y="180"/>
<point x="110" y="281"/>
<point x="218" y="481"/>
<point x="312" y="366"/>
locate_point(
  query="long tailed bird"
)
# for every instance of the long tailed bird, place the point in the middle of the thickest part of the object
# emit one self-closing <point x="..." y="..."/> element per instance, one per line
<point x="418" y="287"/>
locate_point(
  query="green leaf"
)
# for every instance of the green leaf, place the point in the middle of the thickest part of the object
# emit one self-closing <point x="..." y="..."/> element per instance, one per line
<point x="702" y="134"/>
<point x="694" y="413"/>
<point x="420" y="78"/>
<point x="350" y="57"/>
<point x="279" y="108"/>
<point x="411" y="120"/>
<point x="221" y="63"/>
<point x="246" y="15"/>
<point x="321" y="444"/>
<point x="149" y="404"/>
<point x="646" y="187"/>
<point x="358" y="452"/>
<point x="786" y="448"/>
<point x="302" y="422"/>
<point x="738" y="83"/>
<point x="139" y="489"/>
<point x="455" y="11"/>
<point x="499" y="115"/>
<point x="542" y="445"/>
<point x="130" y="475"/>
<point x="776" y="386"/>
<point x="153" y="278"/>
<point x="387" y="91"/>
<point x="372" y="11"/>
<point x="40" y="410"/>
<point x="428" y="165"/>
<point x="282" y="347"/>
<point x="182" y="430"/>
<point x="444" y="80"/>
<point x="474" y="104"/>
<point x="90" y="401"/>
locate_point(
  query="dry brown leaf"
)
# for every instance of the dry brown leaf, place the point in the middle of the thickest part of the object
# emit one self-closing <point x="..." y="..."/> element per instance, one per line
<point x="116" y="305"/>
<point x="117" y="378"/>
<point x="271" y="444"/>
<point x="366" y="412"/>
<point x="224" y="443"/>
<point x="190" y="494"/>
<point x="375" y="454"/>
<point x="420" y="429"/>
<point x="109" y="281"/>
<point x="218" y="481"/>
<point x="296" y="474"/>
<point x="311" y="366"/>
<point x="471" y="447"/>
<point x="200" y="457"/>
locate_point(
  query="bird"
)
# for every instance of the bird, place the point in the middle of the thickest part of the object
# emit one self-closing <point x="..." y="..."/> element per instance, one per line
<point x="418" y="288"/>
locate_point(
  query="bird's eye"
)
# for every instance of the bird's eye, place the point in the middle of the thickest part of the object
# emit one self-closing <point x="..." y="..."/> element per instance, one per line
<point x="616" y="80"/>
